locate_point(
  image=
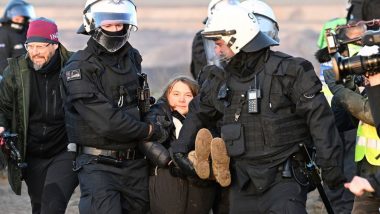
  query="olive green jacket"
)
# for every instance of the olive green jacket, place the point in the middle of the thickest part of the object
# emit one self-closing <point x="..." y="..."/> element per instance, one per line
<point x="14" y="106"/>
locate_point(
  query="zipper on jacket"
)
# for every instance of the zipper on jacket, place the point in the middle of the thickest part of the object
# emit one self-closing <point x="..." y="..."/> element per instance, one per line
<point x="46" y="98"/>
<point x="54" y="102"/>
<point x="44" y="128"/>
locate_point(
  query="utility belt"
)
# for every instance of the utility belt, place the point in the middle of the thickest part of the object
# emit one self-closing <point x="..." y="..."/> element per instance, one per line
<point x="112" y="157"/>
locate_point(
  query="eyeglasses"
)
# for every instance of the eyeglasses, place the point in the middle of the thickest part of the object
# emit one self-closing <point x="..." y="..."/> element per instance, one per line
<point x="38" y="48"/>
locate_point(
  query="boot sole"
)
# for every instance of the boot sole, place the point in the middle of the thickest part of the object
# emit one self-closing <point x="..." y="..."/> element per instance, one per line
<point x="202" y="153"/>
<point x="220" y="162"/>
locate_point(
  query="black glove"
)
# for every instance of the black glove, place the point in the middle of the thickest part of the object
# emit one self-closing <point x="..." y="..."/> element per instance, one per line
<point x="184" y="164"/>
<point x="156" y="153"/>
<point x="175" y="171"/>
<point x="158" y="133"/>
<point x="333" y="177"/>
<point x="161" y="120"/>
<point x="331" y="81"/>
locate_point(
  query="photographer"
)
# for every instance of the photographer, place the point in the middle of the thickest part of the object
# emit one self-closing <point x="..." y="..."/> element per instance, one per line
<point x="341" y="199"/>
<point x="360" y="185"/>
<point x="365" y="151"/>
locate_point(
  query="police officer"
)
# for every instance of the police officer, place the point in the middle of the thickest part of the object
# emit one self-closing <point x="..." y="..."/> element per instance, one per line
<point x="269" y="103"/>
<point x="13" y="28"/>
<point x="101" y="84"/>
<point x="265" y="17"/>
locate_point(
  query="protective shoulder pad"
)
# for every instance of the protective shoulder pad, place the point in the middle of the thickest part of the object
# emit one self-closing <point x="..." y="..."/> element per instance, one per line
<point x="296" y="64"/>
<point x="274" y="61"/>
<point x="217" y="72"/>
<point x="80" y="55"/>
<point x="280" y="54"/>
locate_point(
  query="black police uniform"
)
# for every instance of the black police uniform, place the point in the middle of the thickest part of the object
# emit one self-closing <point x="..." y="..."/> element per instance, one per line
<point x="103" y="119"/>
<point x="290" y="111"/>
<point x="11" y="43"/>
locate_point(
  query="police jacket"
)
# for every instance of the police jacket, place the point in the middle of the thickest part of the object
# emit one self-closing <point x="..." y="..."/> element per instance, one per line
<point x="101" y="97"/>
<point x="11" y="44"/>
<point x="292" y="111"/>
<point x="15" y="103"/>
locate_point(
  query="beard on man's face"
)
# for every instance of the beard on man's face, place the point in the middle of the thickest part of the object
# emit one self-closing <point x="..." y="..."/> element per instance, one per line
<point x="38" y="66"/>
<point x="40" y="61"/>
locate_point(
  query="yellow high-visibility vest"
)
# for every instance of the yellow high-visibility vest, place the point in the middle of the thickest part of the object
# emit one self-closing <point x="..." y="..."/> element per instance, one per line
<point x="326" y="91"/>
<point x="367" y="144"/>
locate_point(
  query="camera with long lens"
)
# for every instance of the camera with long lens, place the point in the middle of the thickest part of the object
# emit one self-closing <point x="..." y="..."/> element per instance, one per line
<point x="356" y="65"/>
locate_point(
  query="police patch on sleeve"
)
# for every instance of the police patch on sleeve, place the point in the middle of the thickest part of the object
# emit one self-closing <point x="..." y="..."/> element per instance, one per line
<point x="73" y="75"/>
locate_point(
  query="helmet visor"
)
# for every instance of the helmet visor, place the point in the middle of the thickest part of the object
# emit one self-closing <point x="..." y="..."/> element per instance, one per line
<point x="268" y="27"/>
<point x="104" y="18"/>
<point x="259" y="42"/>
<point x="219" y="58"/>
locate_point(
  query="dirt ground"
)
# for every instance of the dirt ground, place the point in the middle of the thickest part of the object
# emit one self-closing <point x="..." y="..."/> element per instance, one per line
<point x="164" y="40"/>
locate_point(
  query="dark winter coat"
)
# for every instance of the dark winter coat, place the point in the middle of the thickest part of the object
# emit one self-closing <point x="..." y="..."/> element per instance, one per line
<point x="15" y="100"/>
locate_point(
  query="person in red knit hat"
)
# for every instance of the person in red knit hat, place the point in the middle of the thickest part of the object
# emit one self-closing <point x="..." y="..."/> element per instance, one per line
<point x="31" y="106"/>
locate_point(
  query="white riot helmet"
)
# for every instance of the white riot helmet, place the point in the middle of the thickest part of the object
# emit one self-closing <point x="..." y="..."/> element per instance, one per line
<point x="217" y="4"/>
<point x="265" y="16"/>
<point x="238" y="28"/>
<point x="100" y="12"/>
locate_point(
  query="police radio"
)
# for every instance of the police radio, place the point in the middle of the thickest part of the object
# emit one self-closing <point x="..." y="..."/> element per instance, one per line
<point x="253" y="101"/>
<point x="253" y="98"/>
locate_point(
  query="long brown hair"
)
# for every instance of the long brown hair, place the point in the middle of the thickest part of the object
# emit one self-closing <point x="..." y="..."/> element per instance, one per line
<point x="193" y="85"/>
